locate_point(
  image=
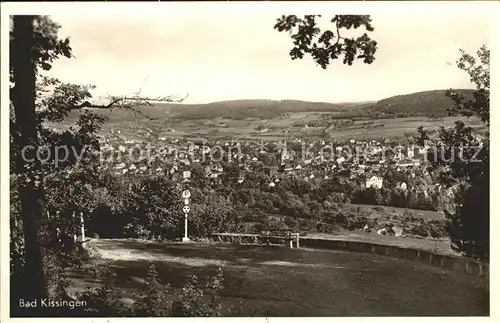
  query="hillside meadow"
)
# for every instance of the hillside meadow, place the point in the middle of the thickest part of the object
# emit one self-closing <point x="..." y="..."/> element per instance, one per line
<point x="276" y="129"/>
<point x="392" y="117"/>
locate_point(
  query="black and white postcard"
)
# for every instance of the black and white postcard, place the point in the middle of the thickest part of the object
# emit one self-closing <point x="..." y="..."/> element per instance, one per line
<point x="253" y="159"/>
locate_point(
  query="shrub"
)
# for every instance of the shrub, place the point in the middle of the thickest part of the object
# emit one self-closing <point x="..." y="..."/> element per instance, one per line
<point x="372" y="222"/>
<point x="356" y="223"/>
<point x="419" y="230"/>
<point x="437" y="229"/>
<point x="103" y="301"/>
<point x="156" y="300"/>
<point x="257" y="228"/>
<point x="153" y="300"/>
<point x="291" y="223"/>
<point x="191" y="300"/>
<point x="304" y="225"/>
<point x="327" y="228"/>
<point x="340" y="219"/>
<point x="249" y="217"/>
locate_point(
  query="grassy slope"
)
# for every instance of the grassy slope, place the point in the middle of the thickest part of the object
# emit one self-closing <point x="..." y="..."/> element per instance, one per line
<point x="291" y="282"/>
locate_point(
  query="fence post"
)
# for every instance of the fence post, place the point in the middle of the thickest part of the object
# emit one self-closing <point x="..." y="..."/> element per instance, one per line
<point x="83" y="226"/>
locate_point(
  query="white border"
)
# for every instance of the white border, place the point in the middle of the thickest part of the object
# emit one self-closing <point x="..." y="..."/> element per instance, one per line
<point x="225" y="8"/>
<point x="267" y="8"/>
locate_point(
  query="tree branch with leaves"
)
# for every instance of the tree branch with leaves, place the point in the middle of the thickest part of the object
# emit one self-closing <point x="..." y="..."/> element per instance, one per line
<point x="325" y="46"/>
<point x="461" y="157"/>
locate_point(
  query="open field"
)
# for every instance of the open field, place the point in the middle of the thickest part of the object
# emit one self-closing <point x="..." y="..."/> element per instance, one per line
<point x="299" y="282"/>
<point x="244" y="119"/>
<point x="426" y="103"/>
<point x="277" y="128"/>
<point x="387" y="128"/>
<point x="391" y="210"/>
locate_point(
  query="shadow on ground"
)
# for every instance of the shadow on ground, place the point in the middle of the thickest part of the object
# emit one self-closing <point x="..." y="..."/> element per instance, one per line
<point x="289" y="282"/>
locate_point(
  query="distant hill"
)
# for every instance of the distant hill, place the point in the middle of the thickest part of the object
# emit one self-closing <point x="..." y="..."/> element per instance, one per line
<point x="265" y="109"/>
<point x="427" y="103"/>
<point x="236" y="109"/>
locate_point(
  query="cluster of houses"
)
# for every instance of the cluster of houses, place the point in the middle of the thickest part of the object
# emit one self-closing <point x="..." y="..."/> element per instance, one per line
<point x="312" y="160"/>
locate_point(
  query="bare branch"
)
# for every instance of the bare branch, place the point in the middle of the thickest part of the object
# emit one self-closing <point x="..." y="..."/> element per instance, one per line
<point x="132" y="103"/>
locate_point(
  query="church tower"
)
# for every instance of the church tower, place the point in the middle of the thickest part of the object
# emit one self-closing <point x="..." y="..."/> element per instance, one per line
<point x="283" y="152"/>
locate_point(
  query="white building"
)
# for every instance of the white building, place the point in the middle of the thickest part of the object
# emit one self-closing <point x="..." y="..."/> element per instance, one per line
<point x="375" y="182"/>
<point x="411" y="152"/>
<point x="120" y="166"/>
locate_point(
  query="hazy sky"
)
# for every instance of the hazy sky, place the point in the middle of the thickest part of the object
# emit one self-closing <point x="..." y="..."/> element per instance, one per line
<point x="216" y="56"/>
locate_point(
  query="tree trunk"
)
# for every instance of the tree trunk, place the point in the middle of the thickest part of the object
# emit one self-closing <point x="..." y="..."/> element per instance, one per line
<point x="23" y="99"/>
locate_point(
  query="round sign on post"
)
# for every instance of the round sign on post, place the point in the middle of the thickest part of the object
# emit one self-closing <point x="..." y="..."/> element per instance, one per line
<point x="186" y="194"/>
<point x="186" y="209"/>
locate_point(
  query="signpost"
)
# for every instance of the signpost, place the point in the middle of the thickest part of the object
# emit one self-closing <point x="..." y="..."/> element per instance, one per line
<point x="186" y="194"/>
<point x="186" y="175"/>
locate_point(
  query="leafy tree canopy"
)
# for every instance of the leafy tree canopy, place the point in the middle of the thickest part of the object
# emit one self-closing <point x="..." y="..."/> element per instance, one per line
<point x="325" y="46"/>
